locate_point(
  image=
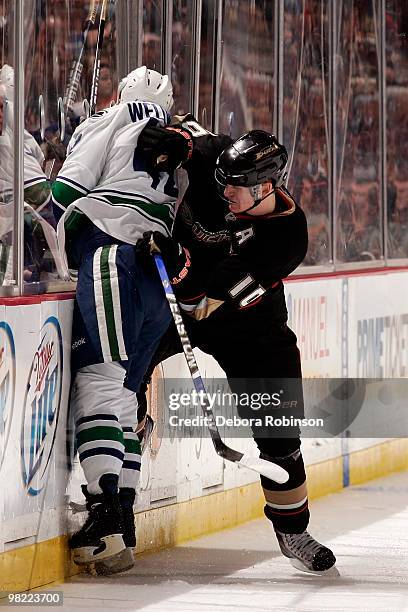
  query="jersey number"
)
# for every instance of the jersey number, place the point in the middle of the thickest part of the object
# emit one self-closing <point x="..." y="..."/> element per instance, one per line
<point x="168" y="187"/>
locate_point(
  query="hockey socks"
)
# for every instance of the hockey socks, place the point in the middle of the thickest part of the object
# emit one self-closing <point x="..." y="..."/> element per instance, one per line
<point x="287" y="504"/>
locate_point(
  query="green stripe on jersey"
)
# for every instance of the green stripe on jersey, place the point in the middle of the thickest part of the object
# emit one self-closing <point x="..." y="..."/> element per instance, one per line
<point x="75" y="221"/>
<point x="65" y="194"/>
<point x="159" y="211"/>
<point x="93" y="434"/>
<point x="108" y="303"/>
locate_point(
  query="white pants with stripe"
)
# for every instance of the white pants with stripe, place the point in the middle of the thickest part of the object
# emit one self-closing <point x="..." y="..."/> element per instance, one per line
<point x="105" y="415"/>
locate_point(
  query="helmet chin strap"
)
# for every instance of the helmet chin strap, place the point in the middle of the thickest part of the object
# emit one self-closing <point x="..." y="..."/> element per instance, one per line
<point x="255" y="191"/>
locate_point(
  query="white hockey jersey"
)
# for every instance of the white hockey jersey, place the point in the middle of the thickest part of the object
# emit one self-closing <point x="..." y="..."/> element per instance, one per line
<point x="104" y="176"/>
<point x="33" y="160"/>
<point x="37" y="198"/>
<point x="33" y="174"/>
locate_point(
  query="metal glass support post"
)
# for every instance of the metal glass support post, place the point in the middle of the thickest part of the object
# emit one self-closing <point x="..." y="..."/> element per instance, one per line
<point x="278" y="44"/>
<point x="167" y="42"/>
<point x="217" y="66"/>
<point x="195" y="56"/>
<point x="18" y="145"/>
<point x="139" y="32"/>
<point x="122" y="38"/>
<point x="382" y="68"/>
<point x="332" y="127"/>
<point x="129" y="40"/>
<point x="134" y="30"/>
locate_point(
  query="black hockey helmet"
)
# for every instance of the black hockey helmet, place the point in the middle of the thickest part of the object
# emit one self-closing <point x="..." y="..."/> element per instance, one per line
<point x="253" y="159"/>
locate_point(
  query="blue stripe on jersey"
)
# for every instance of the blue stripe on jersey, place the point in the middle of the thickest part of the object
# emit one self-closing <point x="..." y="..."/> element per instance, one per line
<point x="128" y="198"/>
<point x="33" y="181"/>
<point x="134" y="197"/>
<point x="131" y="196"/>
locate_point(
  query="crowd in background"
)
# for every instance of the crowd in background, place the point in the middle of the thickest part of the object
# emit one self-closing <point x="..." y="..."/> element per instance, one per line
<point x="249" y="91"/>
<point x="248" y="95"/>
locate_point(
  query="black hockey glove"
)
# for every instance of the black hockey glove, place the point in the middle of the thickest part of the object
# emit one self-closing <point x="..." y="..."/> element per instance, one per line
<point x="164" y="149"/>
<point x="175" y="257"/>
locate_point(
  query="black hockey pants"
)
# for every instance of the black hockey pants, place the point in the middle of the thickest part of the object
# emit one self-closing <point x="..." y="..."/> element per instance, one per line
<point x="259" y="356"/>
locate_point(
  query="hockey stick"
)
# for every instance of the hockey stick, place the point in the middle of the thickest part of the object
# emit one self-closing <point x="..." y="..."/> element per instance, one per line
<point x="261" y="466"/>
<point x="97" y="63"/>
<point x="77" y="65"/>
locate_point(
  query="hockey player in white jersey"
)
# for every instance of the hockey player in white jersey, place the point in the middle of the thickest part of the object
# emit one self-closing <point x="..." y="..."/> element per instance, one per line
<point x="120" y="312"/>
<point x="37" y="193"/>
<point x="104" y="178"/>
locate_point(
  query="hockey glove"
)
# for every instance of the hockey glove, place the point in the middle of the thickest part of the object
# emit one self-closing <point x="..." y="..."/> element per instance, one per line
<point x="175" y="257"/>
<point x="164" y="149"/>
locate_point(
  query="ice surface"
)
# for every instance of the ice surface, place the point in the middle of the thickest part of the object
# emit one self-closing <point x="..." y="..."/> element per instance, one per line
<point x="242" y="569"/>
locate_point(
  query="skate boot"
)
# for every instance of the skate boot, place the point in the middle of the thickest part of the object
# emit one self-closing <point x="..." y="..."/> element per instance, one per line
<point x="306" y="554"/>
<point x="101" y="537"/>
<point x="125" y="560"/>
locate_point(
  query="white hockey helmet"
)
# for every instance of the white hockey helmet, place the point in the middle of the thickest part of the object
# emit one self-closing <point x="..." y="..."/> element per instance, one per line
<point x="148" y="85"/>
<point x="7" y="81"/>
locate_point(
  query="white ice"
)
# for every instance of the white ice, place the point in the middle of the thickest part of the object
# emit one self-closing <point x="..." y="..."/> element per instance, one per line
<point x="241" y="569"/>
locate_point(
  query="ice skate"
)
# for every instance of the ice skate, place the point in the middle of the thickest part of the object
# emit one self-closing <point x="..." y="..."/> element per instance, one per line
<point x="306" y="554"/>
<point x="122" y="562"/>
<point x="101" y="537"/>
<point x="125" y="560"/>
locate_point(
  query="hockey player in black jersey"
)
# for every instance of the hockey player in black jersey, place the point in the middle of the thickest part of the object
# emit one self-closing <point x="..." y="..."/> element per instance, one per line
<point x="236" y="237"/>
<point x="239" y="256"/>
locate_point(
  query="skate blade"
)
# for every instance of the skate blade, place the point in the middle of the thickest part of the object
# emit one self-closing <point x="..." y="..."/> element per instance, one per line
<point x="110" y="546"/>
<point x="122" y="562"/>
<point x="332" y="572"/>
<point x="149" y="428"/>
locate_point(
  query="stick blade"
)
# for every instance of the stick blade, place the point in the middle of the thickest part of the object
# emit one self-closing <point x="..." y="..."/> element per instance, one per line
<point x="266" y="468"/>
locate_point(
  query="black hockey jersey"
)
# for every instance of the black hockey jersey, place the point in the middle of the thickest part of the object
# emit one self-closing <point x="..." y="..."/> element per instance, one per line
<point x="237" y="259"/>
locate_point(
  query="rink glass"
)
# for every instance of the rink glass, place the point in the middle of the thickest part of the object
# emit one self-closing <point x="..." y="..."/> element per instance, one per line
<point x="7" y="145"/>
<point x="358" y="128"/>
<point x="306" y="88"/>
<point x="330" y="79"/>
<point x="396" y="55"/>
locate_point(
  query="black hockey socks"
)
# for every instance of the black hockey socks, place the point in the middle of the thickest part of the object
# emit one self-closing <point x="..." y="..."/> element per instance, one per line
<point x="124" y="561"/>
<point x="127" y="499"/>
